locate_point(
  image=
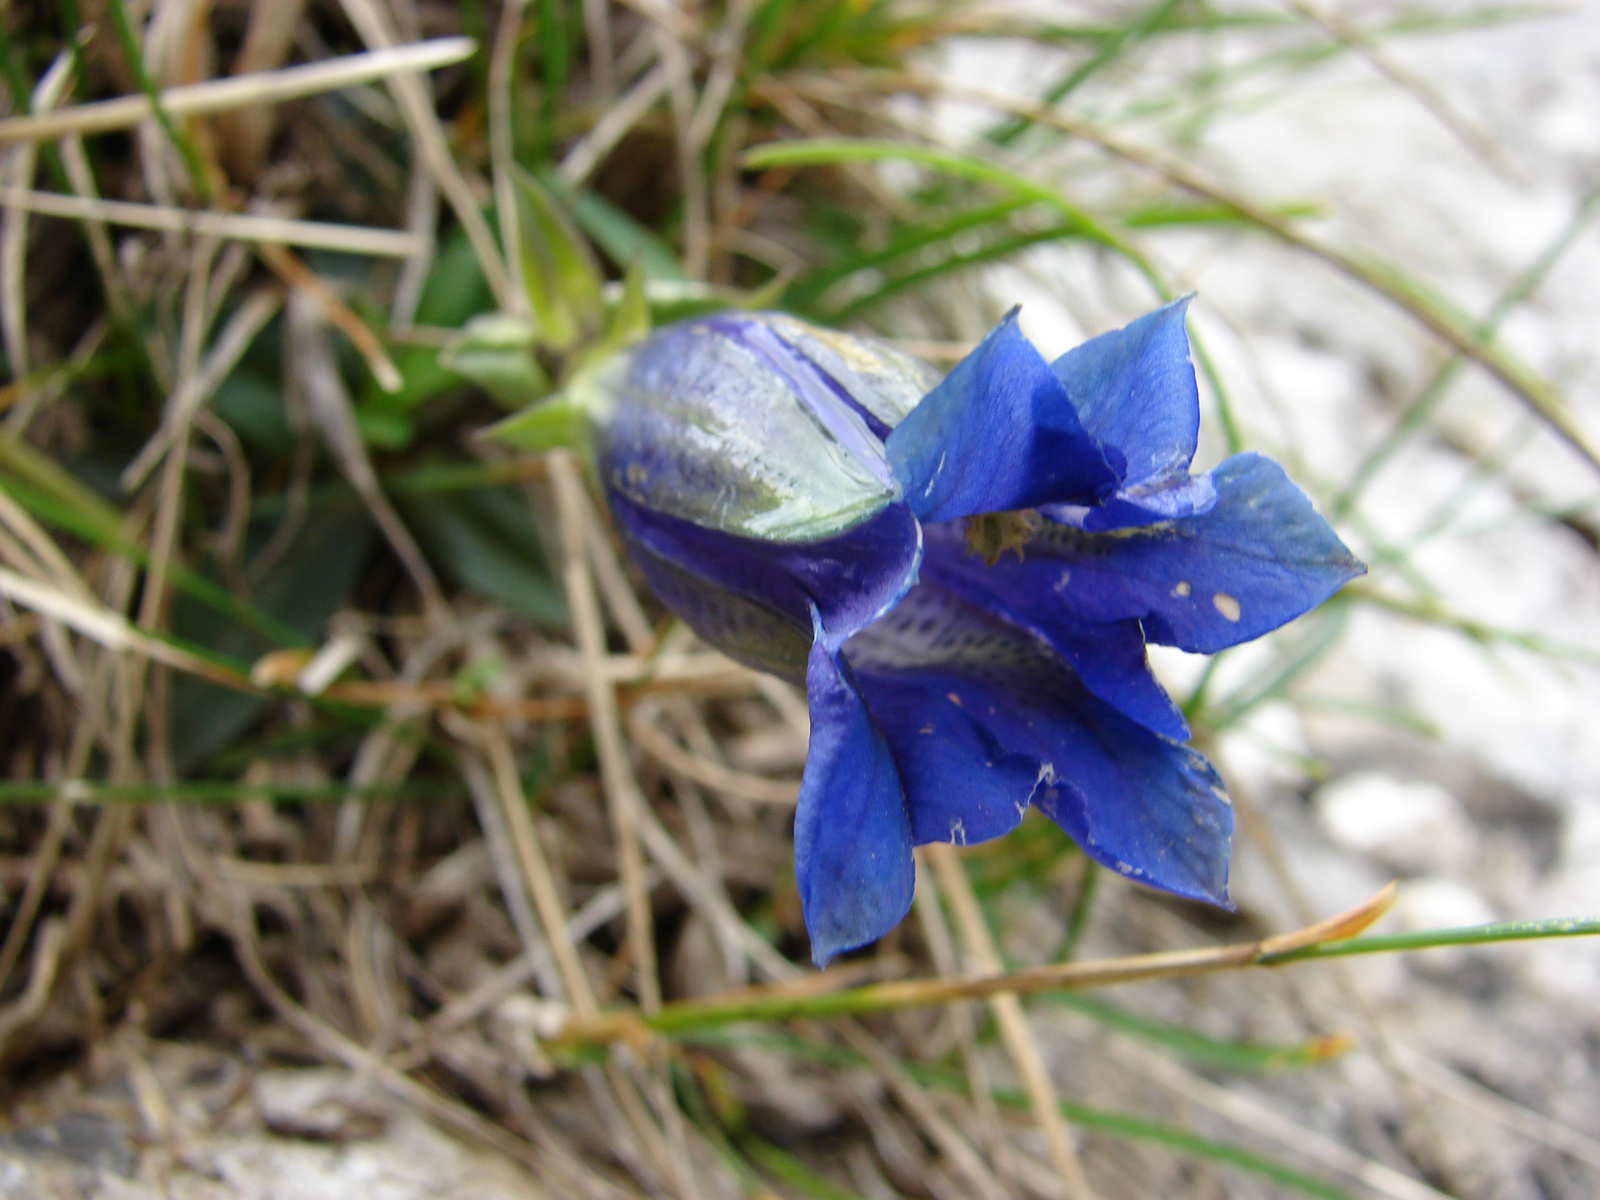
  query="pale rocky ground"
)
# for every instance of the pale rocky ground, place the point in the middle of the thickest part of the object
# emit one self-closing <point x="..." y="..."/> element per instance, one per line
<point x="1496" y="814"/>
<point x="1484" y="1063"/>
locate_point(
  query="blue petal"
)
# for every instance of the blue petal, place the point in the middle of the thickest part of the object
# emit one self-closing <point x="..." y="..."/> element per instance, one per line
<point x="997" y="434"/>
<point x="848" y="579"/>
<point x="1108" y="657"/>
<point x="1257" y="560"/>
<point x="1140" y="803"/>
<point x="1130" y="508"/>
<point x="961" y="785"/>
<point x="852" y="836"/>
<point x="1134" y="389"/>
<point x="745" y="630"/>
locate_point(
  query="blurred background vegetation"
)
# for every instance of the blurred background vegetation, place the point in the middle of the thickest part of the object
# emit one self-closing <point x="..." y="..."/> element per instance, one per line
<point x="334" y="732"/>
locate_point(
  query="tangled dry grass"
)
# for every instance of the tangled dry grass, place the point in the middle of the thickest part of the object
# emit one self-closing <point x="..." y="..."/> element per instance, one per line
<point x="336" y="737"/>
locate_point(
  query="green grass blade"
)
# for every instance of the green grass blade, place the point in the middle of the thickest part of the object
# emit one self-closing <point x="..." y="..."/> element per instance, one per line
<point x="129" y="41"/>
<point x="555" y="47"/>
<point x="1433" y="313"/>
<point x="1233" y="1056"/>
<point x="1430" y="939"/>
<point x="54" y="496"/>
<point x="1419" y="409"/>
<point x="1124" y="1125"/>
<point x="804" y="292"/>
<point x="789" y="1170"/>
<point x="1110" y="49"/>
<point x="833" y="151"/>
<point x="995" y="251"/>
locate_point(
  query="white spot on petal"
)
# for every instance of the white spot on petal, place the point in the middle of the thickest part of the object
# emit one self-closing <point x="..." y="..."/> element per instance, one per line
<point x="1226" y="605"/>
<point x="953" y="698"/>
<point x="1181" y="589"/>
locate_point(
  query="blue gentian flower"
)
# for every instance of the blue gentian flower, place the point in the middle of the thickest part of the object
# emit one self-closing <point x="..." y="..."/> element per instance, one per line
<point x="964" y="574"/>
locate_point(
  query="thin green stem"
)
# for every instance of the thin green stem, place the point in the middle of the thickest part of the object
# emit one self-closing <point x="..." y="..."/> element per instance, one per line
<point x="1111" y="47"/>
<point x="185" y="145"/>
<point x="1430" y="939"/>
<point x="1438" y="385"/>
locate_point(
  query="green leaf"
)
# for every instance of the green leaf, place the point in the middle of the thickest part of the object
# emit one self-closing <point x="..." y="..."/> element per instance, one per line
<point x="623" y="239"/>
<point x="311" y="581"/>
<point x="563" y="283"/>
<point x="628" y="323"/>
<point x="252" y="405"/>
<point x="559" y="422"/>
<point x="485" y="541"/>
<point x="455" y="292"/>
<point x="495" y="351"/>
<point x="630" y="319"/>
<point x="1238" y="1056"/>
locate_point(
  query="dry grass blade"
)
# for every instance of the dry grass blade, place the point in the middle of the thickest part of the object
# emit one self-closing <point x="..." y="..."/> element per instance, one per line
<point x="27" y="1007"/>
<point x="1015" y="1032"/>
<point x="246" y="132"/>
<point x="622" y="790"/>
<point x="110" y="629"/>
<point x="320" y="235"/>
<point x="536" y="871"/>
<point x="1262" y="1120"/>
<point x="613" y="126"/>
<point x="941" y="1131"/>
<point x="1471" y="1094"/>
<point x="1347" y="32"/>
<point x="336" y="1046"/>
<point x="377" y="31"/>
<point x="329" y="403"/>
<point x="658" y="745"/>
<point x="237" y="91"/>
<point x="236" y="337"/>
<point x="337" y="313"/>
<point x="16" y="173"/>
<point x="40" y="869"/>
<point x="829" y="993"/>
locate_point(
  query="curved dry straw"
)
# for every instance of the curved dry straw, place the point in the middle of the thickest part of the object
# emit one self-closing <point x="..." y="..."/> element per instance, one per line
<point x="830" y="993"/>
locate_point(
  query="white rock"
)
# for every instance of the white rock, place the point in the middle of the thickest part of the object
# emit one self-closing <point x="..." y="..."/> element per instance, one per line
<point x="1436" y="903"/>
<point x="1412" y="827"/>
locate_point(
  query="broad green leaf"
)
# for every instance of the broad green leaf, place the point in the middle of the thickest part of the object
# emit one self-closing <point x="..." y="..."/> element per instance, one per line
<point x="252" y="405"/>
<point x="627" y="323"/>
<point x="495" y="351"/>
<point x="454" y="293"/>
<point x="484" y="540"/>
<point x="310" y="582"/>
<point x="623" y="239"/>
<point x="563" y="283"/>
<point x="556" y="423"/>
